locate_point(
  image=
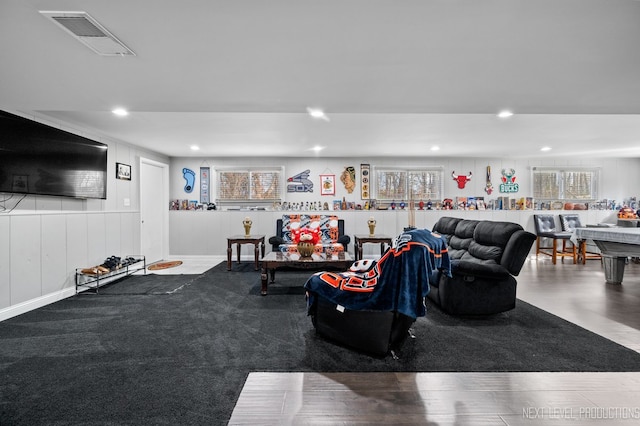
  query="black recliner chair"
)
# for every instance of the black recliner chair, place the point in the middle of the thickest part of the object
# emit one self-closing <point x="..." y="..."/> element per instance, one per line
<point x="371" y="307"/>
<point x="485" y="257"/>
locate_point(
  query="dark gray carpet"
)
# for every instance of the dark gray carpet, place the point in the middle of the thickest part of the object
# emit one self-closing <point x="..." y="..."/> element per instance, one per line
<point x="176" y="349"/>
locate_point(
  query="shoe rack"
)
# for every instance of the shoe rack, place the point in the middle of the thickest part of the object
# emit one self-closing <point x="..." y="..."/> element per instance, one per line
<point x="113" y="269"/>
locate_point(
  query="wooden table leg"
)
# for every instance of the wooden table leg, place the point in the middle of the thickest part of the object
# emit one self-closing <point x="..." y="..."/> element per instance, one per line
<point x="264" y="280"/>
<point x="229" y="250"/>
<point x="257" y="253"/>
<point x="238" y="250"/>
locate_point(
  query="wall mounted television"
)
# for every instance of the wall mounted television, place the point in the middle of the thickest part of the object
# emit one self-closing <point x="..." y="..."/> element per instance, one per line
<point x="43" y="160"/>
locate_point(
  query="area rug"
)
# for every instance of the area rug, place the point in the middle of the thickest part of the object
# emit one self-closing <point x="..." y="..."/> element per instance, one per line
<point x="182" y="357"/>
<point x="148" y="284"/>
<point x="164" y="265"/>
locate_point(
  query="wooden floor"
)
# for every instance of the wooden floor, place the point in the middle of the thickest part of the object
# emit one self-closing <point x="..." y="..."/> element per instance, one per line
<point x="577" y="293"/>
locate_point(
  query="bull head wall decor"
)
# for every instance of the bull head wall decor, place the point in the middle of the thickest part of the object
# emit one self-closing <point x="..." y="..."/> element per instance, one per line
<point x="461" y="179"/>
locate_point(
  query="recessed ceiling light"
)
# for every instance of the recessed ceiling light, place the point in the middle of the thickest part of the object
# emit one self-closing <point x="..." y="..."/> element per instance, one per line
<point x="317" y="148"/>
<point x="120" y="112"/>
<point x="435" y="148"/>
<point x="317" y="113"/>
<point x="545" y="148"/>
<point x="195" y="148"/>
<point x="505" y="114"/>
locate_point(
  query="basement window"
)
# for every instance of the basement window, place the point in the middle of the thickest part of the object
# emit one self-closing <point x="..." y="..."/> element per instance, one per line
<point x="565" y="183"/>
<point x="408" y="184"/>
<point x="249" y="185"/>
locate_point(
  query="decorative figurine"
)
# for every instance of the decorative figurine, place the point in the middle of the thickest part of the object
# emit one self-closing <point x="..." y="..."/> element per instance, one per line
<point x="247" y="226"/>
<point x="372" y="226"/>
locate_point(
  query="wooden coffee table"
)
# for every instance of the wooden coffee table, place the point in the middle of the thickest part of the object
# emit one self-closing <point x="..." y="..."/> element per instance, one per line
<point x="318" y="262"/>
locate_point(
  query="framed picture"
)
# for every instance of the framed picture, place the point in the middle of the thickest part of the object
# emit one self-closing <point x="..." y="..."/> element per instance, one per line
<point x="327" y="184"/>
<point x="123" y="171"/>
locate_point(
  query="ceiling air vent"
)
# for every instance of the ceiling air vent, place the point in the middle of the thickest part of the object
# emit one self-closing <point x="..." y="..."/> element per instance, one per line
<point x="87" y="30"/>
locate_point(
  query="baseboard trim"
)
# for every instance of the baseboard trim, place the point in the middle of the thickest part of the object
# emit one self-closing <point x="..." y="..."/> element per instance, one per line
<point x="30" y="305"/>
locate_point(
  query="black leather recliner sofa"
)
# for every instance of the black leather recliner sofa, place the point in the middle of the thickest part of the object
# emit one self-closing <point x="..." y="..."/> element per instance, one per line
<point x="485" y="257"/>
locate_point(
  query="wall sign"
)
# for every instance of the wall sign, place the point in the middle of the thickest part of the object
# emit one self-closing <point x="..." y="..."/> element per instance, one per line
<point x="488" y="188"/>
<point x="509" y="181"/>
<point x="348" y="178"/>
<point x="300" y="182"/>
<point x="461" y="179"/>
<point x="190" y="178"/>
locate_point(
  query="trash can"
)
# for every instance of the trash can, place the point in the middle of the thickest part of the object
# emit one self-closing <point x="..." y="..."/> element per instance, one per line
<point x="614" y="269"/>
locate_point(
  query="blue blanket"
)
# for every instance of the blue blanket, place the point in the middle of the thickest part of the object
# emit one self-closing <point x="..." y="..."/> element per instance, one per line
<point x="398" y="281"/>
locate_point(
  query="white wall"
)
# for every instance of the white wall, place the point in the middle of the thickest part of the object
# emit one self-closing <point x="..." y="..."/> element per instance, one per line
<point x="205" y="232"/>
<point x="619" y="176"/>
<point x="44" y="239"/>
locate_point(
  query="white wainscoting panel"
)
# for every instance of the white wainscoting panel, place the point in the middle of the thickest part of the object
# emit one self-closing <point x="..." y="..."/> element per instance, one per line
<point x="77" y="242"/>
<point x="5" y="261"/>
<point x="97" y="237"/>
<point x="113" y="240"/>
<point x="55" y="275"/>
<point x="25" y="258"/>
<point x="128" y="244"/>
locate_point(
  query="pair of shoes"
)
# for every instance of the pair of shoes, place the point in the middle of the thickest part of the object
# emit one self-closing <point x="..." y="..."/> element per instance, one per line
<point x="92" y="271"/>
<point x="129" y="261"/>
<point x="111" y="264"/>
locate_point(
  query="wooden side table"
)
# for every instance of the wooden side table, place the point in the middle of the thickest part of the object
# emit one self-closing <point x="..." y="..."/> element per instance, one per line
<point x="383" y="240"/>
<point x="256" y="240"/>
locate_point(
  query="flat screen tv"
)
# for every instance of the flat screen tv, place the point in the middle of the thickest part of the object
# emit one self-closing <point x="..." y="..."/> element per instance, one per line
<point x="40" y="159"/>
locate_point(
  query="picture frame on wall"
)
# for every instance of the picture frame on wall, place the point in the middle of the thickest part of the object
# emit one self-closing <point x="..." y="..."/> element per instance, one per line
<point x="123" y="171"/>
<point x="365" y="181"/>
<point x="327" y="184"/>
